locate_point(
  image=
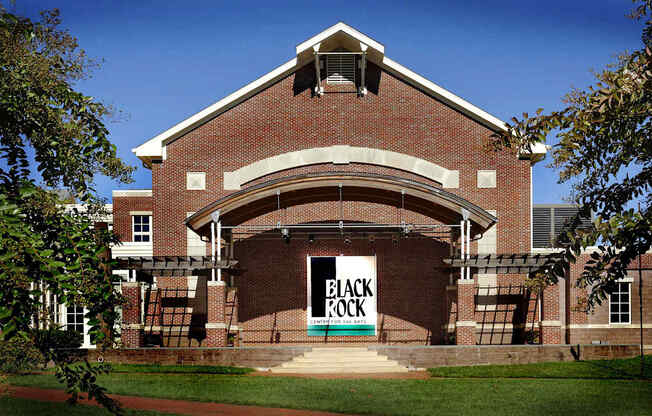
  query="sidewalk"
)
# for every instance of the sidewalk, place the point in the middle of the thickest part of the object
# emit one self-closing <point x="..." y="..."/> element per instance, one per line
<point x="170" y="406"/>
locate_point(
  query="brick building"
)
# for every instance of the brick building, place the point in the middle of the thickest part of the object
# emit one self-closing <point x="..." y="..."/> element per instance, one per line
<point x="343" y="198"/>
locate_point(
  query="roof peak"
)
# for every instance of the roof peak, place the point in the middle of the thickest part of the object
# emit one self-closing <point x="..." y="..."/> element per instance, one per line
<point x="338" y="35"/>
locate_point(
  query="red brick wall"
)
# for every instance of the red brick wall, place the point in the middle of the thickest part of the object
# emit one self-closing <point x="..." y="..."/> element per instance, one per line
<point x="594" y="326"/>
<point x="285" y="117"/>
<point x="122" y="206"/>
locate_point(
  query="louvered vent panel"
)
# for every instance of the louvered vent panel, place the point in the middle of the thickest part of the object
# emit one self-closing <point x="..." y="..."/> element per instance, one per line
<point x="340" y="69"/>
<point x="563" y="217"/>
<point x="543" y="235"/>
<point x="541" y="231"/>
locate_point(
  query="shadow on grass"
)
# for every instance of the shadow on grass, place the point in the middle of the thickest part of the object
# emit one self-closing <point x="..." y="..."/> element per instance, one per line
<point x="618" y="369"/>
<point x="626" y="369"/>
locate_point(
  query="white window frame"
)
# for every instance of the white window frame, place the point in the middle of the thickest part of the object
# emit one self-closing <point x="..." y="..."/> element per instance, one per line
<point x="628" y="283"/>
<point x="86" y="343"/>
<point x="134" y="233"/>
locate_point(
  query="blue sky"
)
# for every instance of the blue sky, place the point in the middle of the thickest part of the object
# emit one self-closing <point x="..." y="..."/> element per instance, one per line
<point x="165" y="61"/>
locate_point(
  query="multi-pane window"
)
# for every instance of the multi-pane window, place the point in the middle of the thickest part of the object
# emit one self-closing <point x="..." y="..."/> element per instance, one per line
<point x="75" y="318"/>
<point x="142" y="228"/>
<point x="620" y="304"/>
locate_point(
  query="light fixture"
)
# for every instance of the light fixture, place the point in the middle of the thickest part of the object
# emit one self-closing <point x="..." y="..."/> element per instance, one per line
<point x="285" y="233"/>
<point x="347" y="239"/>
<point x="311" y="238"/>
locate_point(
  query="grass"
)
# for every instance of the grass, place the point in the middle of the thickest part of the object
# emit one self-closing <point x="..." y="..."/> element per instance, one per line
<point x="468" y="396"/>
<point x="23" y="407"/>
<point x="628" y="369"/>
<point x="180" y="369"/>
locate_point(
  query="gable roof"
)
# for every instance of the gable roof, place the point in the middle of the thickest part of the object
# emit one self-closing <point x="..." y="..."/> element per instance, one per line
<point x="154" y="149"/>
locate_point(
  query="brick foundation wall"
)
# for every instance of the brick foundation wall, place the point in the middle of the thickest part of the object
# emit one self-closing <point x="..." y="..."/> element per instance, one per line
<point x="413" y="356"/>
<point x="425" y="357"/>
<point x="239" y="357"/>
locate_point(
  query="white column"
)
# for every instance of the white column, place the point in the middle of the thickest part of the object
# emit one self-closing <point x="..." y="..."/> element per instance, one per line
<point x="468" y="247"/>
<point x="213" y="250"/>
<point x="219" y="249"/>
<point x="462" y="251"/>
<point x="215" y="216"/>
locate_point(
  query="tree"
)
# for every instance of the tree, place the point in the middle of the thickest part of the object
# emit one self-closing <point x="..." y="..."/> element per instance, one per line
<point x="604" y="152"/>
<point x="46" y="251"/>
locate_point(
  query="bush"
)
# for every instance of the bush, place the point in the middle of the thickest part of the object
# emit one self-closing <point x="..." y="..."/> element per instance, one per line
<point x="59" y="339"/>
<point x="19" y="355"/>
<point x="61" y="346"/>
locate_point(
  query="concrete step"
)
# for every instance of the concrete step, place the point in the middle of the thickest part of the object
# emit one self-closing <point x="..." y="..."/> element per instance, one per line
<point x="325" y="360"/>
<point x="317" y="364"/>
<point x="338" y="359"/>
<point x="339" y="349"/>
<point x="326" y="370"/>
<point x="334" y="355"/>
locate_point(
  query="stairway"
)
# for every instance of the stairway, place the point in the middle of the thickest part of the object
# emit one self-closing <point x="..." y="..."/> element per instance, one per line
<point x="340" y="360"/>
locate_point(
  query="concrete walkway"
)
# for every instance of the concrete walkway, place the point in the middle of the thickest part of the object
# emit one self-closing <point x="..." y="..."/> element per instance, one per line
<point x="180" y="407"/>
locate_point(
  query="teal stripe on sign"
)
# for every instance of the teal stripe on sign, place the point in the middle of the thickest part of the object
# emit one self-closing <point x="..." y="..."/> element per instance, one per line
<point x="347" y="330"/>
<point x="340" y="327"/>
<point x="319" y="332"/>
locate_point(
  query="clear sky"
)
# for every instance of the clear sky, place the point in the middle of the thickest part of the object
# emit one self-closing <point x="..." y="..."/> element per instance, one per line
<point x="167" y="60"/>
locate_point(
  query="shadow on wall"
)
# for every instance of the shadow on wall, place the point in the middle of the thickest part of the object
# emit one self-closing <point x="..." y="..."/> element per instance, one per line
<point x="272" y="286"/>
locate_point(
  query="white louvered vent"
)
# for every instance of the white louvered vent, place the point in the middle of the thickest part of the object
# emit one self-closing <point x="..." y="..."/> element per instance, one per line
<point x="340" y="69"/>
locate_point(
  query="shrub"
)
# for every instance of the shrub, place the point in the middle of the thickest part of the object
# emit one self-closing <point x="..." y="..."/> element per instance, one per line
<point x="59" y="345"/>
<point x="19" y="355"/>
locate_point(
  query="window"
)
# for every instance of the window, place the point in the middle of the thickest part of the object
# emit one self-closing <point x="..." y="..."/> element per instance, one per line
<point x="620" y="304"/>
<point x="340" y="69"/>
<point x="142" y="228"/>
<point x="75" y="318"/>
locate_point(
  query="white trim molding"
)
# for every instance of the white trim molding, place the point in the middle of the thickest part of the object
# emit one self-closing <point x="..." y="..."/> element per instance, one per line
<point x="131" y="192"/>
<point x="550" y="323"/>
<point x="341" y="155"/>
<point x="608" y="326"/>
<point x="215" y="325"/>
<point x="466" y="323"/>
<point x="140" y="212"/>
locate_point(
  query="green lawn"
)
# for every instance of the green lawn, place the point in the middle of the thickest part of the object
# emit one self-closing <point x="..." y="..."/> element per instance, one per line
<point x="180" y="369"/>
<point x="10" y="406"/>
<point x="612" y="369"/>
<point x="492" y="396"/>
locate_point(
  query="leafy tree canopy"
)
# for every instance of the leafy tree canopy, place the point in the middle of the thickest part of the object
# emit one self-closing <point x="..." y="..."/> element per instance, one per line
<point x="604" y="152"/>
<point x="47" y="253"/>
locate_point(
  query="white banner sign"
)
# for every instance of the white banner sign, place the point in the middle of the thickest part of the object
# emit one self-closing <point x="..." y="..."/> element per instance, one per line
<point x="342" y="295"/>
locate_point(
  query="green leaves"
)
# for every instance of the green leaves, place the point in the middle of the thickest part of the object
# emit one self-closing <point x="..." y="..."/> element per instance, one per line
<point x="41" y="109"/>
<point x="604" y="151"/>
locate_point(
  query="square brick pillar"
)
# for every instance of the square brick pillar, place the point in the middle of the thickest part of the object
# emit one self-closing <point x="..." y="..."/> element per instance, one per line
<point x="465" y="325"/>
<point x="132" y="327"/>
<point x="550" y="320"/>
<point x="216" y="314"/>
